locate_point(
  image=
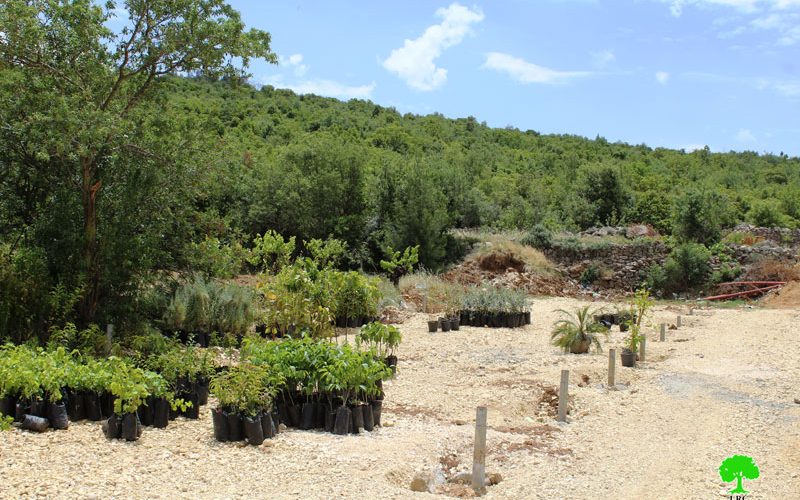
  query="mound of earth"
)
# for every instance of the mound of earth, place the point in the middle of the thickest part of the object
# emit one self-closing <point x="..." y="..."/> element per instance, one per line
<point x="788" y="296"/>
<point x="473" y="273"/>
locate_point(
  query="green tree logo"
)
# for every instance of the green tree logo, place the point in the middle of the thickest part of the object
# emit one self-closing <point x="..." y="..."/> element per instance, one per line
<point x="736" y="468"/>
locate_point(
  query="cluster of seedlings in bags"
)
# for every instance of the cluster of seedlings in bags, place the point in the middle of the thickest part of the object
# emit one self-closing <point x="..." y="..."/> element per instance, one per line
<point x="44" y="389"/>
<point x="305" y="384"/>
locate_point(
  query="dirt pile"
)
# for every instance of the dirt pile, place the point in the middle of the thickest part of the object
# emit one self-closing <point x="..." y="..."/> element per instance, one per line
<point x="786" y="297"/>
<point x="473" y="273"/>
<point x="501" y="261"/>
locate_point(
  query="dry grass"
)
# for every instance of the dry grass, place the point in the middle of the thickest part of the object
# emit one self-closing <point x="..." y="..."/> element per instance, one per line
<point x="442" y="296"/>
<point x="772" y="270"/>
<point x="504" y="254"/>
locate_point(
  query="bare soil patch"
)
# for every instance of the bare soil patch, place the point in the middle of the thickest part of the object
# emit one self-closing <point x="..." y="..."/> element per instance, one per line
<point x="723" y="383"/>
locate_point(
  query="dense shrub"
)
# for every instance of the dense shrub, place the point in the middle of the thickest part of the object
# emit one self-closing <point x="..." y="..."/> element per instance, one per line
<point x="686" y="268"/>
<point x="538" y="237"/>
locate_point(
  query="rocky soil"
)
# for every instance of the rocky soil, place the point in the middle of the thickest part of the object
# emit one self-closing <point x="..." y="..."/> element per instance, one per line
<point x="723" y="383"/>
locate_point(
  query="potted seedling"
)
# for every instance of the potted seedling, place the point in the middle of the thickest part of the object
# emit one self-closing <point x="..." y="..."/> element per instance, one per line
<point x="576" y="333"/>
<point x="639" y="307"/>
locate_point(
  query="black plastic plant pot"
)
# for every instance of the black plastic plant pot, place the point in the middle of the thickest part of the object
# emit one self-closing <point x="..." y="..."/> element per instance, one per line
<point x="235" y="431"/>
<point x="330" y="420"/>
<point x="57" y="415"/>
<point x="112" y="427"/>
<point x="8" y="406"/>
<point x="38" y="408"/>
<point x="268" y="426"/>
<point x="253" y="431"/>
<point x="107" y="404"/>
<point x="92" y="401"/>
<point x="455" y="323"/>
<point x="309" y="416"/>
<point x="377" y="406"/>
<point x="76" y="408"/>
<point x="433" y="326"/>
<point x="628" y="358"/>
<point x="319" y="416"/>
<point x="130" y="427"/>
<point x="20" y="410"/>
<point x="445" y="324"/>
<point x="161" y="409"/>
<point x="192" y="412"/>
<point x="276" y="421"/>
<point x="293" y="412"/>
<point x="145" y="412"/>
<point x="34" y="423"/>
<point x="527" y="317"/>
<point x="369" y="422"/>
<point x="341" y="425"/>
<point x="623" y="327"/>
<point x="220" y="422"/>
<point x="201" y="388"/>
<point x="356" y="419"/>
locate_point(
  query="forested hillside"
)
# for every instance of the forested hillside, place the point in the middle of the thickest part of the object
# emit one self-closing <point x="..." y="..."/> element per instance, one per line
<point x="207" y="165"/>
<point x="313" y="166"/>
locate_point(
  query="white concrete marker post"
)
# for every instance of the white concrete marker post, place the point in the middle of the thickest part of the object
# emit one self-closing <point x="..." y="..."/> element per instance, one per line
<point x="642" y="348"/>
<point x="563" y="395"/>
<point x="612" y="359"/>
<point x="663" y="333"/>
<point x="479" y="456"/>
<point x="680" y="321"/>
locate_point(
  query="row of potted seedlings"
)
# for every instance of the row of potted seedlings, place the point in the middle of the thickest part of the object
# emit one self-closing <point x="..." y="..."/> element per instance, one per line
<point x="494" y="308"/>
<point x="48" y="389"/>
<point x="304" y="384"/>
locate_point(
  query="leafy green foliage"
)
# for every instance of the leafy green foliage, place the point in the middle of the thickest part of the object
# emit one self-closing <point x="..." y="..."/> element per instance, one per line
<point x="400" y="264"/>
<point x="640" y="305"/>
<point x="380" y="338"/>
<point x="538" y="237"/>
<point x="687" y="267"/>
<point x="494" y="299"/>
<point x="574" y="329"/>
<point x="271" y="252"/>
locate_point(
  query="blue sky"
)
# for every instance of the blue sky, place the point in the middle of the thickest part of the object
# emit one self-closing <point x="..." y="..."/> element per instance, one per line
<point x="672" y="73"/>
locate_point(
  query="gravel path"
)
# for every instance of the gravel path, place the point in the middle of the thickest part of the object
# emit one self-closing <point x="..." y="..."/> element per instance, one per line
<point x="723" y="383"/>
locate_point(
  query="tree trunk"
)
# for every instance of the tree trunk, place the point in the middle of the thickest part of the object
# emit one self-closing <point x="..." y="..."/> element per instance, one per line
<point x="89" y="188"/>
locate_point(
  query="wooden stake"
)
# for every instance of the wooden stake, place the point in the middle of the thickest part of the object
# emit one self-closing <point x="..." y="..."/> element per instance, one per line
<point x="612" y="358"/>
<point x="563" y="396"/>
<point x="479" y="456"/>
<point x="641" y="348"/>
<point x="663" y="333"/>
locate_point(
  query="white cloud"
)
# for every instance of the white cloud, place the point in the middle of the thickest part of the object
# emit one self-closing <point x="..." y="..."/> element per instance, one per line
<point x="744" y="135"/>
<point x="790" y="89"/>
<point x="603" y="58"/>
<point x="676" y="7"/>
<point x="295" y="61"/>
<point x="693" y="147"/>
<point x="525" y="72"/>
<point x="662" y="77"/>
<point x="323" y="87"/>
<point x="414" y="62"/>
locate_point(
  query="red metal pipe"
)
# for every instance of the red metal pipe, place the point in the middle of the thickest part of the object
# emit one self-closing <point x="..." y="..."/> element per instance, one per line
<point x="742" y="294"/>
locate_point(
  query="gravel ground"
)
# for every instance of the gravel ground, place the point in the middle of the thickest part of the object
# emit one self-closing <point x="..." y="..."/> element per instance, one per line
<point x="723" y="383"/>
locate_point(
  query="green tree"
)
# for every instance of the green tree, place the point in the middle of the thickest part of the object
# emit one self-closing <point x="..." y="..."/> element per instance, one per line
<point x="79" y="87"/>
<point x="736" y="468"/>
<point x="698" y="217"/>
<point x="603" y="189"/>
